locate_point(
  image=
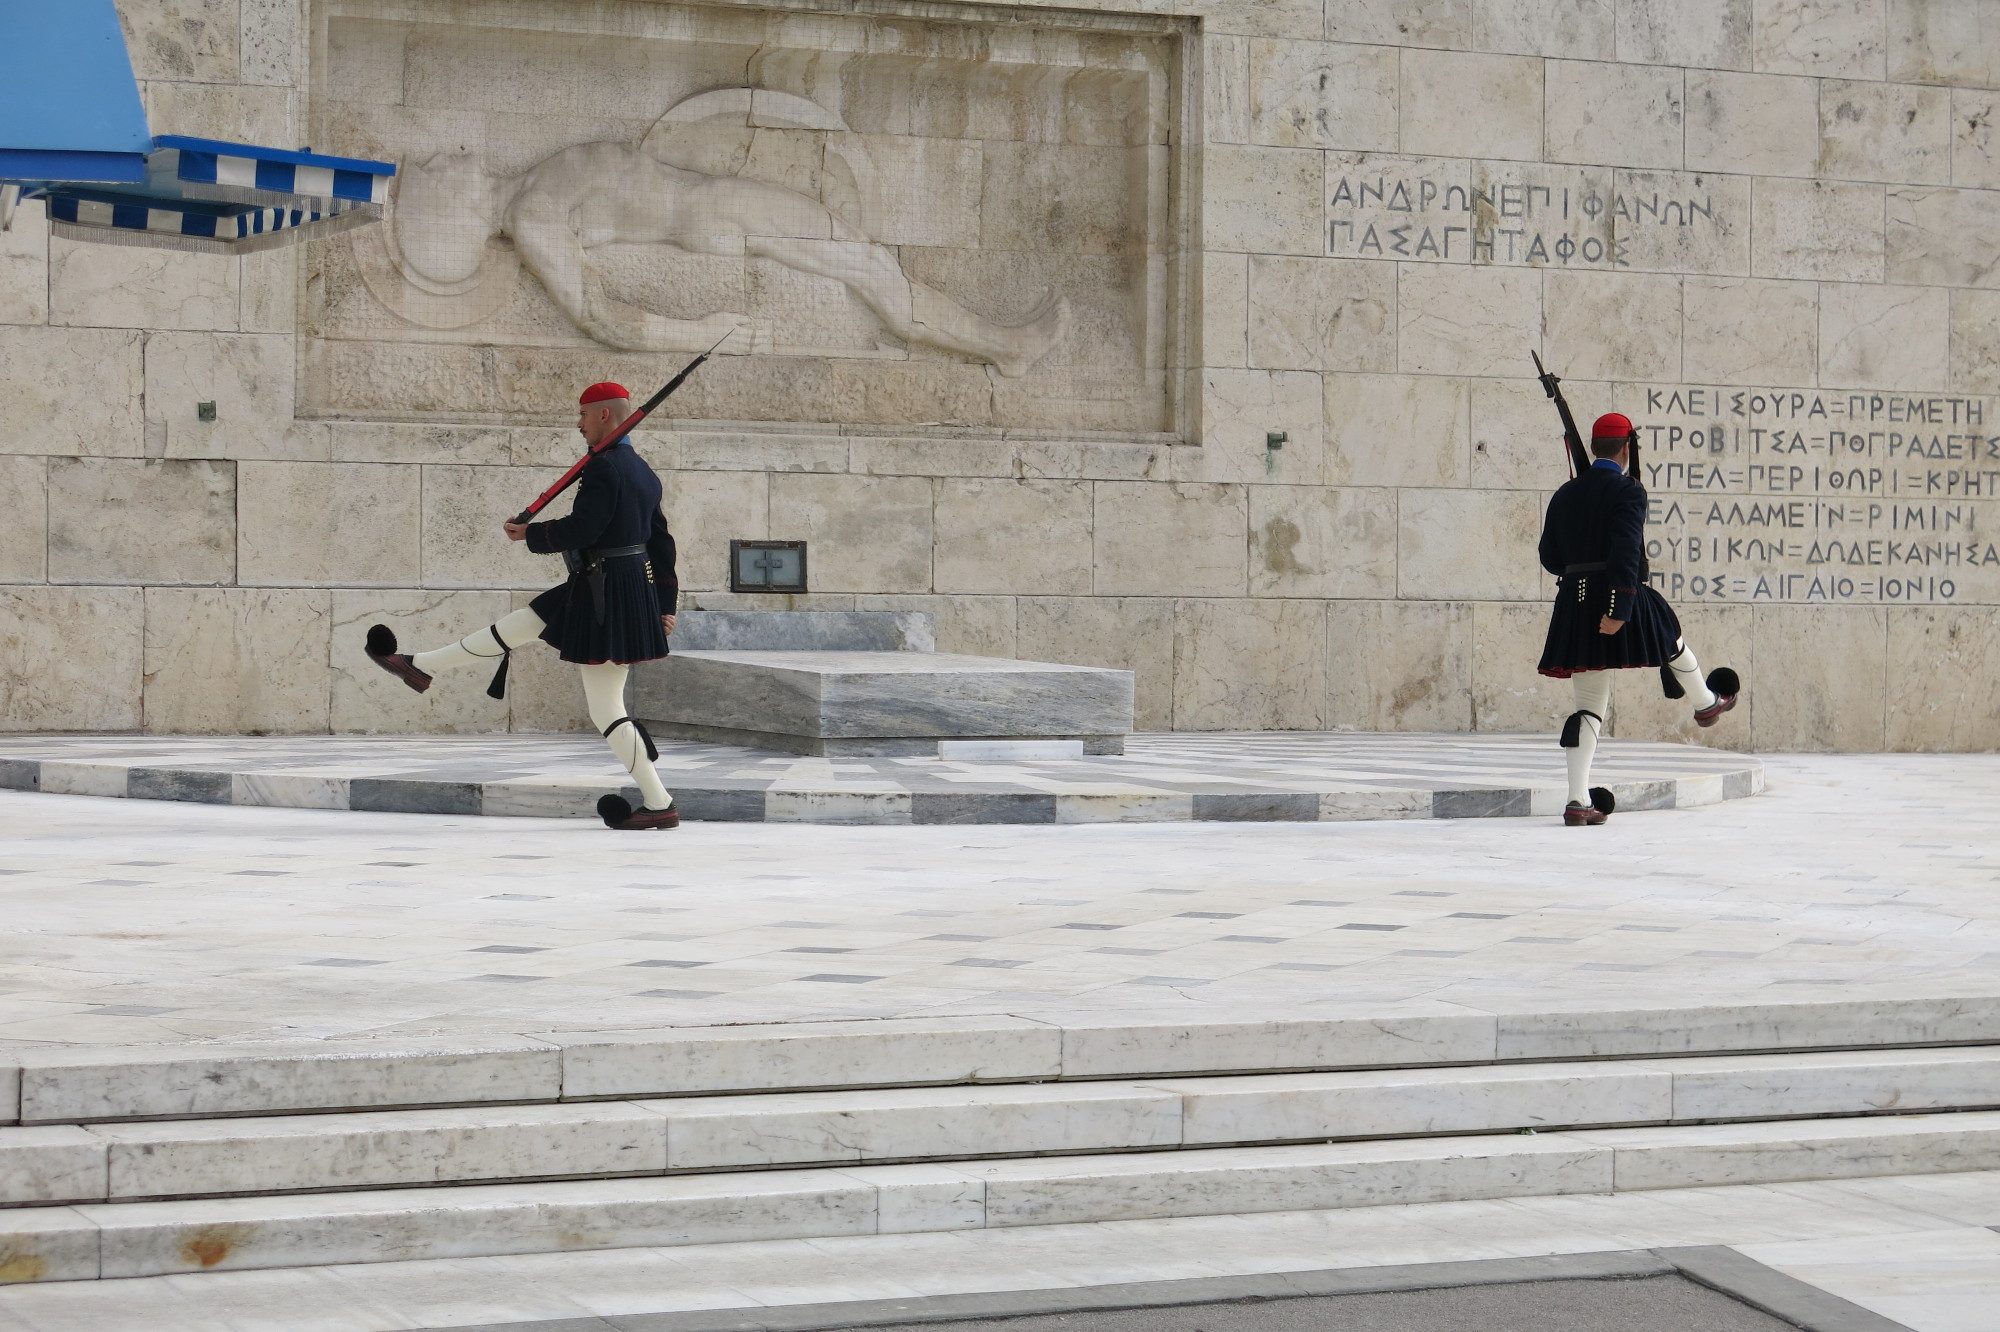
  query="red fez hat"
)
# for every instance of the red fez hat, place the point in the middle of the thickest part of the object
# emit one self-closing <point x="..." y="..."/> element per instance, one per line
<point x="1612" y="425"/>
<point x="607" y="392"/>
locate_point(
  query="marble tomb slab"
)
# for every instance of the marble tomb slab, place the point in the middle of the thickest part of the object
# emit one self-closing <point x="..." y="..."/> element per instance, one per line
<point x="804" y="631"/>
<point x="878" y="703"/>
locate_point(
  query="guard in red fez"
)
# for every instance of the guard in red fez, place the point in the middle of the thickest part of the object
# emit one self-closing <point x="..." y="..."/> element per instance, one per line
<point x="617" y="606"/>
<point x="1607" y="616"/>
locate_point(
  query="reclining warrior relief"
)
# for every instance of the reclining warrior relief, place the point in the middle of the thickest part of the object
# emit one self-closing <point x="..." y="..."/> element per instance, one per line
<point x="449" y="208"/>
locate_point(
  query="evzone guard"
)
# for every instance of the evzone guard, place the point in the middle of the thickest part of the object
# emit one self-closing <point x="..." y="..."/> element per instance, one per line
<point x="616" y="608"/>
<point x="1607" y="615"/>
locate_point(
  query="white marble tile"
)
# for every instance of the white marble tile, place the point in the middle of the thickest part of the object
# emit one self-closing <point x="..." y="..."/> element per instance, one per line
<point x="1683" y="1157"/>
<point x="1095" y="1047"/>
<point x="1935" y="1281"/>
<point x="1832" y="1083"/>
<point x="292" y="791"/>
<point x="380" y="1148"/>
<point x="1323" y="95"/>
<point x="920" y="1198"/>
<point x="1438" y="86"/>
<point x="1879" y="336"/>
<point x="1202" y="1182"/>
<point x="108" y="1082"/>
<point x="59" y="1163"/>
<point x="40" y="1244"/>
<point x="140" y="1239"/>
<point x="1832" y="231"/>
<point x="1075" y="807"/>
<point x="831" y="1127"/>
<point x="1969" y="1198"/>
<point x="1832" y="38"/>
<point x="1410" y="1101"/>
<point x="1555" y="1034"/>
<point x="90" y="779"/>
<point x="608" y="1282"/>
<point x="781" y="806"/>
<point x="299" y="1300"/>
<point x="449" y="1294"/>
<point x="804" y="1056"/>
<point x="1608" y="114"/>
<point x="1752" y="124"/>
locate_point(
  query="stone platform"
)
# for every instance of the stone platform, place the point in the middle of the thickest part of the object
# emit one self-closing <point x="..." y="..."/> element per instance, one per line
<point x="237" y="1040"/>
<point x="1276" y="776"/>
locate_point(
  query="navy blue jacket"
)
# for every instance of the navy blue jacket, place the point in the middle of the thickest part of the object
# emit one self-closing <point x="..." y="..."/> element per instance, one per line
<point x="617" y="504"/>
<point x="1598" y="517"/>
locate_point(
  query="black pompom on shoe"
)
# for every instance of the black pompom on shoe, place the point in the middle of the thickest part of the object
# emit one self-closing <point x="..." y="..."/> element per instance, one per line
<point x="1726" y="685"/>
<point x="617" y="812"/>
<point x="1603" y="801"/>
<point x="382" y="651"/>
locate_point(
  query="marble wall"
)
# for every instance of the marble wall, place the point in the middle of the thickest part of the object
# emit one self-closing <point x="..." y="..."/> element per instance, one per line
<point x="1769" y="233"/>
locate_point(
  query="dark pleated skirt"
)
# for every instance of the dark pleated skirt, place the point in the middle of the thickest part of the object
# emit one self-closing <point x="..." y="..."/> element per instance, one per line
<point x="630" y="630"/>
<point x="1651" y="634"/>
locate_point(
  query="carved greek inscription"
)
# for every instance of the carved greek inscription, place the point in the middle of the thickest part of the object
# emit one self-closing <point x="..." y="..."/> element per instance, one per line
<point x="1539" y="216"/>
<point x="1809" y="495"/>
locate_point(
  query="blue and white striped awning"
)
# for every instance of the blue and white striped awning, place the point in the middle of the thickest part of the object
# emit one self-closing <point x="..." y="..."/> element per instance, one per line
<point x="73" y="133"/>
<point x="226" y="198"/>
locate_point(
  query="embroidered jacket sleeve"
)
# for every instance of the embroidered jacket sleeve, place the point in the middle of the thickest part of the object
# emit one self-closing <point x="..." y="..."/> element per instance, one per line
<point x="1550" y="550"/>
<point x="661" y="552"/>
<point x="596" y="503"/>
<point x="1625" y="545"/>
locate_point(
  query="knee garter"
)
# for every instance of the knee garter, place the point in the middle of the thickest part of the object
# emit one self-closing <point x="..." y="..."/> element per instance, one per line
<point x="1572" y="735"/>
<point x="645" y="736"/>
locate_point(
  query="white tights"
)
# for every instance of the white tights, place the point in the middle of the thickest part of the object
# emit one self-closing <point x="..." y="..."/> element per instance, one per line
<point x="1593" y="698"/>
<point x="603" y="692"/>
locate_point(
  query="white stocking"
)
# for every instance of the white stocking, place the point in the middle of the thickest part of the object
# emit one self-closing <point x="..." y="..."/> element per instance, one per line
<point x="1593" y="695"/>
<point x="1688" y="671"/>
<point x="522" y="626"/>
<point x="604" y="692"/>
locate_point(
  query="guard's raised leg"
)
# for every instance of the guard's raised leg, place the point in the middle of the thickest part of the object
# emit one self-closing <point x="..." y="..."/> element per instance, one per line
<point x="1713" y="696"/>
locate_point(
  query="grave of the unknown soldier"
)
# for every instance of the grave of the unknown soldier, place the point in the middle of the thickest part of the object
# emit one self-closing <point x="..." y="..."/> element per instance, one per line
<point x="1286" y="663"/>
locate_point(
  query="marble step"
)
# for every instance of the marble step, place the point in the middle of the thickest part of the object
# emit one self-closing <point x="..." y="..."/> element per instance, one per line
<point x="367" y="1150"/>
<point x="150" y="1238"/>
<point x="84" y="1084"/>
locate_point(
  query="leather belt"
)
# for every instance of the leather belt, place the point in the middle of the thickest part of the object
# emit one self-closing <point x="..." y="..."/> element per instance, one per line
<point x="1597" y="567"/>
<point x="590" y="563"/>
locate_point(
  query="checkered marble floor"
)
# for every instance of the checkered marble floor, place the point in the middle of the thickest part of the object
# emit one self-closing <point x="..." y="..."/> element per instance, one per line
<point x="1296" y="776"/>
<point x="140" y="921"/>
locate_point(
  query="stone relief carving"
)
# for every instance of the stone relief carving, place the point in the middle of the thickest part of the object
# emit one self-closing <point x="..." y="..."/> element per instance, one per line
<point x="444" y="261"/>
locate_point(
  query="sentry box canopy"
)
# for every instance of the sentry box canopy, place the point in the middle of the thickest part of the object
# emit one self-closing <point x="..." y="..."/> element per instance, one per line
<point x="73" y="133"/>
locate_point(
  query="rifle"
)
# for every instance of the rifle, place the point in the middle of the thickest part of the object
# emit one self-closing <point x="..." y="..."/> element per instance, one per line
<point x="1579" y="458"/>
<point x="630" y="424"/>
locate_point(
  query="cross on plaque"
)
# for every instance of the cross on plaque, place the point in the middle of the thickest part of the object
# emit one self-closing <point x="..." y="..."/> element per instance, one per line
<point x="767" y="566"/>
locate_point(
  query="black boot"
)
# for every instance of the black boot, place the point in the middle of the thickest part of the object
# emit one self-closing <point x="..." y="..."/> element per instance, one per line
<point x="382" y="651"/>
<point x="617" y="812"/>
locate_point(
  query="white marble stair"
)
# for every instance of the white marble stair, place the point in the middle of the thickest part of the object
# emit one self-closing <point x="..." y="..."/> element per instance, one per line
<point x="195" y="1158"/>
<point x="136" y="1239"/>
<point x="84" y="1084"/>
<point x="172" y="1159"/>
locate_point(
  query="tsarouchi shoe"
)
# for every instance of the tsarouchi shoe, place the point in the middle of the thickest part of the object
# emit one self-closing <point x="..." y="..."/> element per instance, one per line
<point x="1725" y="684"/>
<point x="617" y="812"/>
<point x="382" y="651"/>
<point x="1582" y="816"/>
